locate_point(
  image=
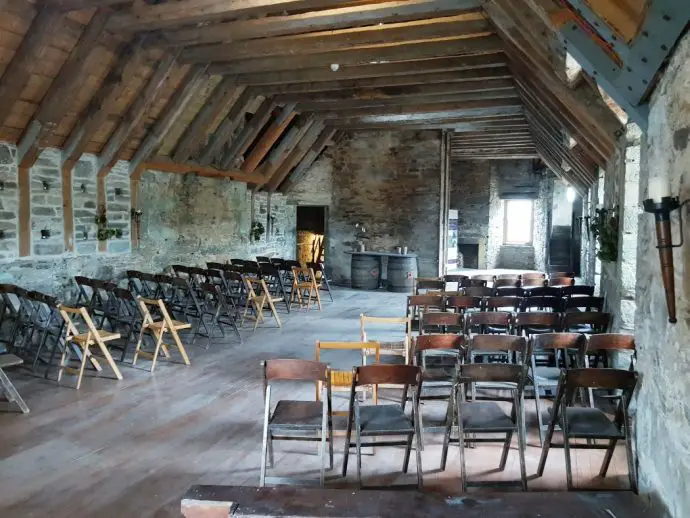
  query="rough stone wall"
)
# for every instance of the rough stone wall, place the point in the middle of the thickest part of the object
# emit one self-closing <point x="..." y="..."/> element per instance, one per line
<point x="663" y="404"/>
<point x="187" y="219"/>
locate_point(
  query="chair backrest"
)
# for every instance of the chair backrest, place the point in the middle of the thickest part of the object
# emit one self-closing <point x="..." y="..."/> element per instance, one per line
<point x="179" y="269"/>
<point x="493" y="372"/>
<point x="238" y="261"/>
<point x="489" y="318"/>
<point x="554" y="304"/>
<point x="462" y="303"/>
<point x="611" y="342"/>
<point x="269" y="270"/>
<point x="365" y="321"/>
<point x="503" y="303"/>
<point x="450" y="322"/>
<point x="561" y="281"/>
<point x="494" y="343"/>
<point x="578" y="289"/>
<point x="508" y="291"/>
<point x="467" y="283"/>
<point x="538" y="320"/>
<point x="423" y="302"/>
<point x="544" y="291"/>
<point x="289" y="264"/>
<point x="215" y="266"/>
<point x="488" y="279"/>
<point x="478" y="291"/>
<point x="549" y="341"/>
<point x="598" y="320"/>
<point x="529" y="282"/>
<point x="610" y="379"/>
<point x="72" y="330"/>
<point x="295" y="370"/>
<point x="317" y="267"/>
<point x="533" y="275"/>
<point x="508" y="277"/>
<point x="424" y="284"/>
<point x="439" y="341"/>
<point x="585" y="302"/>
<point x="455" y="278"/>
<point x="147" y="317"/>
<point x="277" y="262"/>
<point x="262" y="259"/>
<point x="405" y="375"/>
<point x="340" y="377"/>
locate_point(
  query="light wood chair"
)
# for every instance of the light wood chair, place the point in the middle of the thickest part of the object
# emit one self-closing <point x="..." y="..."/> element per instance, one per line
<point x="341" y="379"/>
<point x="258" y="296"/>
<point x="303" y="283"/>
<point x="11" y="393"/>
<point x="80" y="344"/>
<point x="158" y="328"/>
<point x="396" y="348"/>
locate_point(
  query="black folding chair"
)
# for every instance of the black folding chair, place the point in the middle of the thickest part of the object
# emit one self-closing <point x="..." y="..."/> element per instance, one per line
<point x="321" y="279"/>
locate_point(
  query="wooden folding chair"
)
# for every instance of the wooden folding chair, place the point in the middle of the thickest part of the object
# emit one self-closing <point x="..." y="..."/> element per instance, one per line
<point x="158" y="328"/>
<point x="11" y="393"/>
<point x="258" y="296"/>
<point x="424" y="284"/>
<point x="303" y="283"/>
<point x="82" y="342"/>
<point x="396" y="351"/>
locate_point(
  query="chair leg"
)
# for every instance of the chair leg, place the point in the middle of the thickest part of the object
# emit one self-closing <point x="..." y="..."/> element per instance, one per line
<point x="348" y="439"/>
<point x="461" y="446"/>
<point x="506" y="450"/>
<point x="540" y="418"/>
<point x="408" y="450"/>
<point x="522" y="441"/>
<point x="450" y="417"/>
<point x="418" y="437"/>
<point x="159" y="342"/>
<point x="358" y="439"/>
<point x="271" y="457"/>
<point x="318" y="297"/>
<point x="84" y="357"/>
<point x="566" y="449"/>
<point x="328" y="287"/>
<point x="274" y="311"/>
<point x="180" y="346"/>
<point x="12" y="393"/>
<point x="322" y="449"/>
<point x="264" y="447"/>
<point x="547" y="443"/>
<point x="607" y="457"/>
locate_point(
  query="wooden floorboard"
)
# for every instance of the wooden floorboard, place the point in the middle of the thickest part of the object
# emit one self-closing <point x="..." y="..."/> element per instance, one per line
<point x="133" y="447"/>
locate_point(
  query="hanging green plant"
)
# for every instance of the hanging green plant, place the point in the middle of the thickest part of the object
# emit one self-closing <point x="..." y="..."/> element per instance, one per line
<point x="257" y="230"/>
<point x="104" y="232"/>
<point x="604" y="228"/>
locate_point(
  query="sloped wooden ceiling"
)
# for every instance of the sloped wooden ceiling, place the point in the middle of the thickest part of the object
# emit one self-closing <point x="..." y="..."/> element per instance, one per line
<point x="255" y="90"/>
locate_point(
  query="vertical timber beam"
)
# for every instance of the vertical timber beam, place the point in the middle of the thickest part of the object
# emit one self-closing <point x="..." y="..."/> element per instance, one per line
<point x="24" y="185"/>
<point x="67" y="209"/>
<point x="101" y="207"/>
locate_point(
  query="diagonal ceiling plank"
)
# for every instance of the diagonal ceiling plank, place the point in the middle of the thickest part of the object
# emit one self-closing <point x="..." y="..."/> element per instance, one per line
<point x="166" y="165"/>
<point x="362" y="56"/>
<point x="344" y="39"/>
<point x="370" y="70"/>
<point x="295" y="156"/>
<point x="103" y="103"/>
<point x="248" y="133"/>
<point x="135" y="114"/>
<point x="45" y="24"/>
<point x="186" y="12"/>
<point x="280" y="153"/>
<point x="55" y="102"/>
<point x="273" y="133"/>
<point x="311" y="21"/>
<point x="327" y="136"/>
<point x="194" y="136"/>
<point x="385" y="92"/>
<point x="78" y="5"/>
<point x="227" y="127"/>
<point x="174" y="109"/>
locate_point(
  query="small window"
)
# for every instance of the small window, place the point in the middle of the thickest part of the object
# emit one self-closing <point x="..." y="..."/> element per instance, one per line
<point x="518" y="222"/>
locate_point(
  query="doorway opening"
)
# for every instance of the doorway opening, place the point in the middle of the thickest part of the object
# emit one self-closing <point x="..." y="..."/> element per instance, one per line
<point x="311" y="232"/>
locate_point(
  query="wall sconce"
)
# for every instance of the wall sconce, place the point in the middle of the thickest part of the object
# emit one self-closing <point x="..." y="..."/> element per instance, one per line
<point x="2" y="186"/>
<point x="45" y="233"/>
<point x="82" y="188"/>
<point x="118" y="191"/>
<point x="46" y="185"/>
<point x="2" y="234"/>
<point x="661" y="204"/>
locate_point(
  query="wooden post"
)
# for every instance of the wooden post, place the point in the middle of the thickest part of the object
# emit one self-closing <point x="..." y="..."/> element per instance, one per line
<point x="101" y="206"/>
<point x="67" y="208"/>
<point x="24" y="184"/>
<point x="134" y="205"/>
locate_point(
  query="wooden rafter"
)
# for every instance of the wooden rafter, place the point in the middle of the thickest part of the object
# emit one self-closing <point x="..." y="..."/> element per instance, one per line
<point x="248" y="133"/>
<point x="280" y="152"/>
<point x="309" y="158"/>
<point x="272" y="134"/>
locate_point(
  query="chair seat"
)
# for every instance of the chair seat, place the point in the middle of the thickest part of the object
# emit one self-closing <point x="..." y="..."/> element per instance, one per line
<point x="177" y="325"/>
<point x="9" y="360"/>
<point x="105" y="336"/>
<point x="548" y="374"/>
<point x="382" y="419"/>
<point x="393" y="346"/>
<point x="297" y="414"/>
<point x="590" y="422"/>
<point x="485" y="416"/>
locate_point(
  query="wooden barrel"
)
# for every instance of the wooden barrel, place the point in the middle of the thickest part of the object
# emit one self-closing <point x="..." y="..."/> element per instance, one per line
<point x="402" y="272"/>
<point x="365" y="272"/>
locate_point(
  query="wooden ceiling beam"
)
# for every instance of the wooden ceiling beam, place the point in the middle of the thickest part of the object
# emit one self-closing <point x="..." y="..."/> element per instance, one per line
<point x="103" y="103"/>
<point x="428" y="89"/>
<point x="513" y="156"/>
<point x="166" y="165"/>
<point x="307" y="161"/>
<point x="281" y="152"/>
<point x="134" y="115"/>
<point x="295" y="156"/>
<point x="224" y="94"/>
<point x="55" y="102"/>
<point x="311" y="21"/>
<point x="363" y="56"/>
<point x="227" y="127"/>
<point x="272" y="134"/>
<point x="448" y="27"/>
<point x="355" y="123"/>
<point x="248" y="133"/>
<point x="327" y="89"/>
<point x="78" y="5"/>
<point x="358" y="71"/>
<point x="46" y="22"/>
<point x="172" y="111"/>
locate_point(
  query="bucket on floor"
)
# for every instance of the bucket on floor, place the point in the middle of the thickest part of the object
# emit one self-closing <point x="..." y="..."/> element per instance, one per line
<point x="365" y="272"/>
<point x="402" y="272"/>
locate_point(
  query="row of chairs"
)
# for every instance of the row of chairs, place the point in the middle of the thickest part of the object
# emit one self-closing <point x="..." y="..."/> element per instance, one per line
<point x="468" y="415"/>
<point x="526" y="281"/>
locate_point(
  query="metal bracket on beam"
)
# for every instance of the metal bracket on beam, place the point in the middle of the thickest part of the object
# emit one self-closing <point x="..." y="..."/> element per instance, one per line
<point x="642" y="58"/>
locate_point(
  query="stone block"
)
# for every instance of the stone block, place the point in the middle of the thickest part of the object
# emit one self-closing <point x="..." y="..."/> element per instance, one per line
<point x="119" y="246"/>
<point x="6" y="154"/>
<point x="48" y="248"/>
<point x="43" y="211"/>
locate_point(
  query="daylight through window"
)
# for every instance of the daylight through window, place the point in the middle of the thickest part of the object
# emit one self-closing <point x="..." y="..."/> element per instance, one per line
<point x="518" y="222"/>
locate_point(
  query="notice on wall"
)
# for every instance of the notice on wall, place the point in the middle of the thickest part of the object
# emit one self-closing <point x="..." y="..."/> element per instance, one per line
<point x="452" y="248"/>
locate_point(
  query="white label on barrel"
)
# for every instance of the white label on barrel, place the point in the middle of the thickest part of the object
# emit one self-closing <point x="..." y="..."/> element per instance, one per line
<point x="409" y="275"/>
<point x="374" y="272"/>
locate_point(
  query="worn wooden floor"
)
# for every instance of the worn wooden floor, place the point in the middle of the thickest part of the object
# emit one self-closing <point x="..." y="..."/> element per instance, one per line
<point x="132" y="448"/>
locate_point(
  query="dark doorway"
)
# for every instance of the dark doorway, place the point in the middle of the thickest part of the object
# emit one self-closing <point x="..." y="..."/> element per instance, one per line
<point x="311" y="231"/>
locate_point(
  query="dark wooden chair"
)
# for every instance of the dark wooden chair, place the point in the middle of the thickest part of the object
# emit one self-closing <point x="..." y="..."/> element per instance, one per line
<point x="533" y="275"/>
<point x="487" y="279"/>
<point x="478" y="291"/>
<point x="215" y="306"/>
<point x="544" y="291"/>
<point x="321" y="279"/>
<point x="529" y="283"/>
<point x="559" y="348"/>
<point x="216" y="266"/>
<point x="600" y="345"/>
<point x="541" y="303"/>
<point x="578" y="422"/>
<point x="537" y="322"/>
<point x="489" y="322"/>
<point x="496" y="349"/>
<point x="128" y="319"/>
<point x="422" y="285"/>
<point x="463" y="303"/>
<point x="470" y="283"/>
<point x="294" y="419"/>
<point x="561" y="281"/>
<point x="488" y="417"/>
<point x="138" y="287"/>
<point x="385" y="420"/>
<point x="587" y="322"/>
<point x="503" y="304"/>
<point x="274" y="283"/>
<point x="9" y="390"/>
<point x="263" y="259"/>
<point x="49" y="325"/>
<point x="583" y="303"/>
<point x="456" y="279"/>
<point x="578" y="289"/>
<point x="442" y="323"/>
<point x="419" y="304"/>
<point x="508" y="276"/>
<point x="238" y="261"/>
